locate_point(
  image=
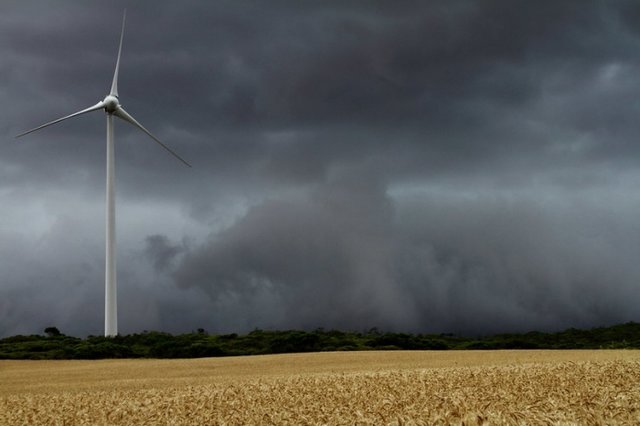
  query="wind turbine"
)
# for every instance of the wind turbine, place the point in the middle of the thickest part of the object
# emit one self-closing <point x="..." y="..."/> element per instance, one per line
<point x="111" y="105"/>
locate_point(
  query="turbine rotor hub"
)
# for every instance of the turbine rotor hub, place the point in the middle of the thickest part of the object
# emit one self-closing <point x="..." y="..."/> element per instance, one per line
<point x="111" y="103"/>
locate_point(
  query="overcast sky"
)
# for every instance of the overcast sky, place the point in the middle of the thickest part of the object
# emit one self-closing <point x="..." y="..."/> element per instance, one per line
<point x="432" y="166"/>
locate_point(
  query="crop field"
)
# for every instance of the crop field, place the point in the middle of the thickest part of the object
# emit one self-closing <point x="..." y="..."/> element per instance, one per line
<point x="393" y="387"/>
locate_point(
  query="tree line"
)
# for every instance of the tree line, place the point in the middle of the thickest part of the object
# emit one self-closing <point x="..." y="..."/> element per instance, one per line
<point x="152" y="344"/>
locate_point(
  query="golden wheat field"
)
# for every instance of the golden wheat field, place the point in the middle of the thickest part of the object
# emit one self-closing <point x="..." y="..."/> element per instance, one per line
<point x="354" y="388"/>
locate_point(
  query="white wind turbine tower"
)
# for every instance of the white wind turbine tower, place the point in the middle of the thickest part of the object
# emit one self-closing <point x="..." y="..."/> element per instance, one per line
<point x="111" y="105"/>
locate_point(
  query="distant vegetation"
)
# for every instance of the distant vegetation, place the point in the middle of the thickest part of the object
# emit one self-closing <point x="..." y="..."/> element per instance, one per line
<point x="55" y="345"/>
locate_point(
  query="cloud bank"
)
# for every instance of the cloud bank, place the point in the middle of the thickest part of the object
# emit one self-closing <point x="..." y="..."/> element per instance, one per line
<point x="426" y="166"/>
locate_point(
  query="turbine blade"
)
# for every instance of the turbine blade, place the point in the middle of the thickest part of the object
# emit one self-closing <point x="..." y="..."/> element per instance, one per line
<point x="96" y="107"/>
<point x="121" y="113"/>
<point x="114" y="84"/>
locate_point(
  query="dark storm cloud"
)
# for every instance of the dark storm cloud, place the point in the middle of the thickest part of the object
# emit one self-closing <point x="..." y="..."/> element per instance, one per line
<point x="323" y="259"/>
<point x="161" y="252"/>
<point x="409" y="165"/>
<point x="349" y="256"/>
<point x="428" y="77"/>
<point x="510" y="262"/>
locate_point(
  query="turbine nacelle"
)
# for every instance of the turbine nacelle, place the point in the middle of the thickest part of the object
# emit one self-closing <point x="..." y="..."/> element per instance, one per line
<point x="111" y="103"/>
